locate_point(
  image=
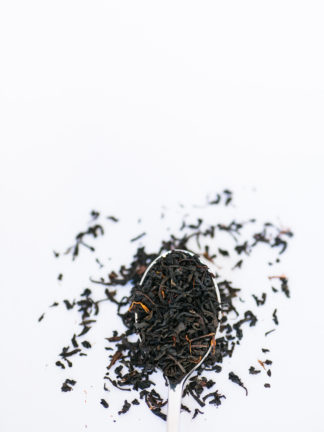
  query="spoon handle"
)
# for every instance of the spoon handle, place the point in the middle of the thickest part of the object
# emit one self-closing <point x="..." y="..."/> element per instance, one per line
<point x="174" y="407"/>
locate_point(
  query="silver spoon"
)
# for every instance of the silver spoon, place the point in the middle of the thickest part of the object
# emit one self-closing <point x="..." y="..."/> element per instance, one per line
<point x="175" y="390"/>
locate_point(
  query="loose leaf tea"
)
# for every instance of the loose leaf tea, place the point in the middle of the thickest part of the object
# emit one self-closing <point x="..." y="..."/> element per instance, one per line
<point x="125" y="408"/>
<point x="175" y="326"/>
<point x="236" y="379"/>
<point x="68" y="385"/>
<point x="254" y="371"/>
<point x="104" y="403"/>
<point x="177" y="312"/>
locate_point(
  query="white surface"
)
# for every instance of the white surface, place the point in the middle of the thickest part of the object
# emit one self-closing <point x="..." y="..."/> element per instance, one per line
<point x="95" y="97"/>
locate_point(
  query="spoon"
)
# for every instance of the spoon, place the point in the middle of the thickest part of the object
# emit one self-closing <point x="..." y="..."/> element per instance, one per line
<point x="175" y="389"/>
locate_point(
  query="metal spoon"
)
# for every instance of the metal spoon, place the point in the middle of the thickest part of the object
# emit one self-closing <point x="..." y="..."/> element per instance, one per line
<point x="175" y="390"/>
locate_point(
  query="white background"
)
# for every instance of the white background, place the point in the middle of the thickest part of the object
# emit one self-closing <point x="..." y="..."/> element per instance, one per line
<point x="97" y="97"/>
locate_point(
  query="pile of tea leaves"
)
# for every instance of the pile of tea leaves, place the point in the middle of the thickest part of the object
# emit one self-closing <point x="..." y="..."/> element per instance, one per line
<point x="177" y="313"/>
<point x="130" y="364"/>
